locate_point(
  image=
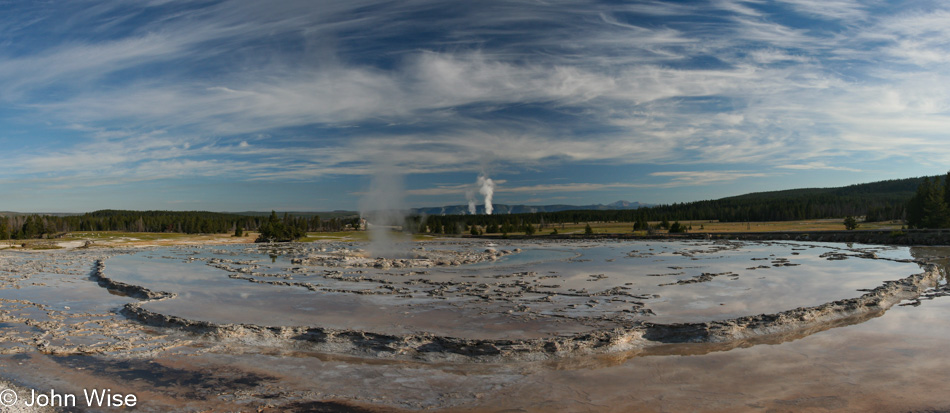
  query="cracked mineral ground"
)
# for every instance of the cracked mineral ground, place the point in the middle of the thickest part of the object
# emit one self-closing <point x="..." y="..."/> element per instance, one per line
<point x="477" y="325"/>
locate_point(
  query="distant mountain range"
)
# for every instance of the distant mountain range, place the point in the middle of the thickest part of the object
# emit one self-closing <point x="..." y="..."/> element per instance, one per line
<point x="882" y="199"/>
<point x="525" y="209"/>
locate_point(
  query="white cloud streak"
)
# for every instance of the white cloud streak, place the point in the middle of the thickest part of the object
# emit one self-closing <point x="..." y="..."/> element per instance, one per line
<point x="818" y="166"/>
<point x="739" y="88"/>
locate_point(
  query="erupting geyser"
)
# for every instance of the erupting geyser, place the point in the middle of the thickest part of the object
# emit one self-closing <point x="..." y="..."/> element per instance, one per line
<point x="487" y="188"/>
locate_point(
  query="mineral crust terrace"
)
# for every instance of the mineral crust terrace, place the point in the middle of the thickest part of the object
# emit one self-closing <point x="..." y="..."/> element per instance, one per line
<point x="420" y="258"/>
<point x="435" y="347"/>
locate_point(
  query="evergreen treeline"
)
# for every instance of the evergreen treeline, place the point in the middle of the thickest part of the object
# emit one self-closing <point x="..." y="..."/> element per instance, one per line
<point x="281" y="230"/>
<point x="189" y="222"/>
<point x="878" y="201"/>
<point x="930" y="206"/>
<point x="924" y="202"/>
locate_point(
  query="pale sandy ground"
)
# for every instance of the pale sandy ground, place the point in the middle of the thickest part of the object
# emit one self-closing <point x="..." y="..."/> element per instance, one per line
<point x="22" y="396"/>
<point x="198" y="239"/>
<point x="71" y="244"/>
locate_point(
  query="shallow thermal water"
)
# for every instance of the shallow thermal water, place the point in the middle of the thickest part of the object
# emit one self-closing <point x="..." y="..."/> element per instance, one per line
<point x="547" y="288"/>
<point x="891" y="361"/>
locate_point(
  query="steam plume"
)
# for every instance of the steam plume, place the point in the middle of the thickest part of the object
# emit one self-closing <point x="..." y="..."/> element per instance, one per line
<point x="470" y="196"/>
<point x="383" y="206"/>
<point x="487" y="188"/>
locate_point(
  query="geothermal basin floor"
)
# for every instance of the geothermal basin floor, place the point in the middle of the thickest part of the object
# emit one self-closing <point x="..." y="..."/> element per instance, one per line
<point x="63" y="329"/>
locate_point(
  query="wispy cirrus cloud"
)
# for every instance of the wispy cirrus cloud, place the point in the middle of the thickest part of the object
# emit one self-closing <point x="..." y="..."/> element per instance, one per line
<point x="818" y="166"/>
<point x="140" y="90"/>
<point x="690" y="178"/>
<point x="848" y="10"/>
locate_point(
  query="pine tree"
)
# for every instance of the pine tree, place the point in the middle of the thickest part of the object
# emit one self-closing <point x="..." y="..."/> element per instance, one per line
<point x="275" y="229"/>
<point x="677" y="227"/>
<point x="946" y="189"/>
<point x="850" y="223"/>
<point x="929" y="208"/>
<point x="935" y="207"/>
<point x="529" y="229"/>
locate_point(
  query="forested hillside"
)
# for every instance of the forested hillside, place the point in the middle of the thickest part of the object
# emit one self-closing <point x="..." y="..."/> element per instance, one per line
<point x="877" y="201"/>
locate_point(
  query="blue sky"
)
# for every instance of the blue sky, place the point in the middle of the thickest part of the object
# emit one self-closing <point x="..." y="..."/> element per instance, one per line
<point x="295" y="105"/>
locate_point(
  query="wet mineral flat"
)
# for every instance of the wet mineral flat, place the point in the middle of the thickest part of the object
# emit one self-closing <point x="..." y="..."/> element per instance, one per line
<point x="538" y="289"/>
<point x="62" y="329"/>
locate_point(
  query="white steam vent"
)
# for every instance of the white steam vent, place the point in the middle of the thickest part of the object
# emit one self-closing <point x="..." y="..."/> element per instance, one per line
<point x="487" y="188"/>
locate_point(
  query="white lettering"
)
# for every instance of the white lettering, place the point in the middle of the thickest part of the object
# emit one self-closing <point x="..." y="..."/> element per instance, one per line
<point x="52" y="399"/>
<point x="98" y="398"/>
<point x="105" y="398"/>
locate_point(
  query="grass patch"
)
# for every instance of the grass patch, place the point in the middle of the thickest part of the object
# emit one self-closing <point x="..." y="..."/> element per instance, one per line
<point x="716" y="226"/>
<point x="119" y="238"/>
<point x="117" y="235"/>
<point x="43" y="247"/>
<point x="336" y="236"/>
